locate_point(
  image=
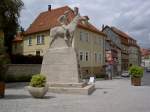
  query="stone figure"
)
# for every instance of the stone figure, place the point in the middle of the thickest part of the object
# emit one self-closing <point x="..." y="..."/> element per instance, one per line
<point x="63" y="20"/>
<point x="66" y="30"/>
<point x="60" y="62"/>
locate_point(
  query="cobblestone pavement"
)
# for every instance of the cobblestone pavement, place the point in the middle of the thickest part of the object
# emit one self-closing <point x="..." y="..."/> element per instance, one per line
<point x="115" y="95"/>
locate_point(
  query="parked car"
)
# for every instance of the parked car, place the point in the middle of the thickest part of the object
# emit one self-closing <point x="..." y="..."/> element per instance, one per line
<point x="147" y="69"/>
<point x="125" y="74"/>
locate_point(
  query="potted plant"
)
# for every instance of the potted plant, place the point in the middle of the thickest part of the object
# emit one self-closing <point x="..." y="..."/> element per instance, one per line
<point x="136" y="73"/>
<point x="38" y="87"/>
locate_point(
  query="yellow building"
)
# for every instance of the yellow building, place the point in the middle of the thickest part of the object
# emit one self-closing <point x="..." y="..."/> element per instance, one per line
<point x="88" y="40"/>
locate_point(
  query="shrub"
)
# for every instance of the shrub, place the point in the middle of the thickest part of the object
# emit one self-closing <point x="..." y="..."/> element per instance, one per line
<point x="136" y="71"/>
<point x="18" y="78"/>
<point x="30" y="59"/>
<point x="38" y="80"/>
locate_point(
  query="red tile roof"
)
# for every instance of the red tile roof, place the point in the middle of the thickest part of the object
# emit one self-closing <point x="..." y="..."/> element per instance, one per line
<point x="121" y="33"/>
<point x="48" y="19"/>
<point x="125" y="36"/>
<point x="145" y="52"/>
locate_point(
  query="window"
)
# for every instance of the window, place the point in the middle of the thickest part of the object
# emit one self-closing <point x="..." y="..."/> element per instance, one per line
<point x="86" y="56"/>
<point x="84" y="37"/>
<point x="81" y="56"/>
<point x="81" y="36"/>
<point x="100" y="42"/>
<point x="29" y="41"/>
<point x="37" y="53"/>
<point x="97" y="41"/>
<point x="40" y="39"/>
<point x="95" y="55"/>
<point x="99" y="58"/>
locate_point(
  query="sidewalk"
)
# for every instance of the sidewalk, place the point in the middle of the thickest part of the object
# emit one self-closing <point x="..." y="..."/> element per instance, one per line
<point x="115" y="95"/>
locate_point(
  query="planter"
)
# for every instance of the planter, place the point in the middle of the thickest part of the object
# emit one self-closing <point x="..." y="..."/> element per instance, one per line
<point x="136" y="81"/>
<point x="37" y="92"/>
<point x="2" y="89"/>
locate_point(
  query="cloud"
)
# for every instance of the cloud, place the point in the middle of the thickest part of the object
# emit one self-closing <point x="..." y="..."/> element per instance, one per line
<point x="129" y="16"/>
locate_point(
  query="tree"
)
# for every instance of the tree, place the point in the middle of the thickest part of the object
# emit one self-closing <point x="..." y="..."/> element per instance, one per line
<point x="9" y="14"/>
<point x="4" y="59"/>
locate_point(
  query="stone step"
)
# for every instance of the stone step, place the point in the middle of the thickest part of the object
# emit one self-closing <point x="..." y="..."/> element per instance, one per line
<point x="87" y="90"/>
<point x="71" y="85"/>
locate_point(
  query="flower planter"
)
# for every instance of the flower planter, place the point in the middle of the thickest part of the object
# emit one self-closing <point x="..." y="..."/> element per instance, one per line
<point x="136" y="81"/>
<point x="2" y="89"/>
<point x="37" y="92"/>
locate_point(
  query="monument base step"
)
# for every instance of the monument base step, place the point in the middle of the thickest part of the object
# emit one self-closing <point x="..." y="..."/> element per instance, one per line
<point x="87" y="90"/>
<point x="68" y="85"/>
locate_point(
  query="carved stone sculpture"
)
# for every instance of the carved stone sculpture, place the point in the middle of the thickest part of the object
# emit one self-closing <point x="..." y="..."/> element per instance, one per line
<point x="60" y="64"/>
<point x="66" y="31"/>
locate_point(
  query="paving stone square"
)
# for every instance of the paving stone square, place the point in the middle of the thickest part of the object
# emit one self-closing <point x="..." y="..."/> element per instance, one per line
<point x="115" y="95"/>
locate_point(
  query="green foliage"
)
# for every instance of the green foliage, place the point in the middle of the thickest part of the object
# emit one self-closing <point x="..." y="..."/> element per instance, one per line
<point x="9" y="13"/>
<point x="18" y="78"/>
<point x="3" y="56"/>
<point x="38" y="80"/>
<point x="136" y="71"/>
<point x="4" y="59"/>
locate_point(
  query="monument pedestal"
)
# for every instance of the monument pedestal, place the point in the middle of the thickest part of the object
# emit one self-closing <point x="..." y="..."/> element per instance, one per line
<point x="61" y="69"/>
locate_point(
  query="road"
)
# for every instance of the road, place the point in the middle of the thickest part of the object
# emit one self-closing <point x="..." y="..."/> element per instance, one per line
<point x="146" y="79"/>
<point x="117" y="95"/>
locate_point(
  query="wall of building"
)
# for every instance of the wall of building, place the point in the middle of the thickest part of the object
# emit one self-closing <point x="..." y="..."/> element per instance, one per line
<point x="114" y="41"/>
<point x="31" y="49"/>
<point x="113" y="37"/>
<point x="94" y="46"/>
<point x="134" y="55"/>
<point x="17" y="48"/>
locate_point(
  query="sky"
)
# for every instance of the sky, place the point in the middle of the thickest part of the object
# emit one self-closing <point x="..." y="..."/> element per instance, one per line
<point x="130" y="16"/>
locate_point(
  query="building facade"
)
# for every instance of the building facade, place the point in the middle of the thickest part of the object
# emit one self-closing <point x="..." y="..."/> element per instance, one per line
<point x="88" y="40"/>
<point x="134" y="52"/>
<point x="113" y="45"/>
<point x="126" y="47"/>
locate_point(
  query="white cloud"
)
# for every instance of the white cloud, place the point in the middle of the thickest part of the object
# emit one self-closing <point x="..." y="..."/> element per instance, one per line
<point x="130" y="16"/>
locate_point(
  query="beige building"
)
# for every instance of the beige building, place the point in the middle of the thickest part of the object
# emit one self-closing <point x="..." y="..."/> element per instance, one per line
<point x="88" y="40"/>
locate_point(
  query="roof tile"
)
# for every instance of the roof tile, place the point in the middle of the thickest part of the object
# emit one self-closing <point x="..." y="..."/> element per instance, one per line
<point x="48" y="19"/>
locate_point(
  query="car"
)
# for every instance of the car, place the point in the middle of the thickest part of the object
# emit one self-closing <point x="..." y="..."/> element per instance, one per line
<point x="125" y="74"/>
<point x="147" y="69"/>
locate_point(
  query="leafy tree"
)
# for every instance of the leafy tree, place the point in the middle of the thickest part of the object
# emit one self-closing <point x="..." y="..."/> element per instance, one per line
<point x="9" y="14"/>
<point x="4" y="59"/>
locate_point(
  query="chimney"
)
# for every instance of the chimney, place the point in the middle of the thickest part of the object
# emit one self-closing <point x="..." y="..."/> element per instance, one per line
<point x="103" y="26"/>
<point x="49" y="7"/>
<point x="86" y="20"/>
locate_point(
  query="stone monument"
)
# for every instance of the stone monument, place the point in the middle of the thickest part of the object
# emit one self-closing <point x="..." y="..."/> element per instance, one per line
<point x="60" y="63"/>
